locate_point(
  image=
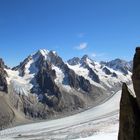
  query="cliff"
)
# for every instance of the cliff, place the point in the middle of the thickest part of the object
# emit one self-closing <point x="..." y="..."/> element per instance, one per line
<point x="130" y="106"/>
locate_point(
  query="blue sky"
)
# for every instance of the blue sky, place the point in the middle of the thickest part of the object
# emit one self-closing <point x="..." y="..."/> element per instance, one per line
<point x="103" y="29"/>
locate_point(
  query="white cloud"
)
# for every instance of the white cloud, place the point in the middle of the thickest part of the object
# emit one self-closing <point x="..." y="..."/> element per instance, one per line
<point x="82" y="46"/>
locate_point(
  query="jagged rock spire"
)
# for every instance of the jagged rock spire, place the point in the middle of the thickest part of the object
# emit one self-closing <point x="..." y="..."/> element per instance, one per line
<point x="129" y="116"/>
<point x="130" y="106"/>
<point x="136" y="74"/>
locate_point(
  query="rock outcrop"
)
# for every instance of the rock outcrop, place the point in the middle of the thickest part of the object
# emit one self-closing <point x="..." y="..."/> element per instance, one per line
<point x="3" y="75"/>
<point x="6" y="113"/>
<point x="130" y="105"/>
<point x="136" y="74"/>
<point x="49" y="90"/>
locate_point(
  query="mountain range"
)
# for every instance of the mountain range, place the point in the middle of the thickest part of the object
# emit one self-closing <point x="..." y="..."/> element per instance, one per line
<point x="44" y="86"/>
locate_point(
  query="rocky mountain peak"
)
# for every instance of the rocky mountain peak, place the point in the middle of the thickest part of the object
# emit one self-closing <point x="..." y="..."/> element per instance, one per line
<point x="37" y="60"/>
<point x="137" y="49"/>
<point x="74" y="61"/>
<point x="40" y="53"/>
<point x="43" y="52"/>
<point x="83" y="61"/>
<point x="136" y="74"/>
<point x="136" y="61"/>
<point x="130" y="106"/>
<point x="85" y="57"/>
<point x="49" y="56"/>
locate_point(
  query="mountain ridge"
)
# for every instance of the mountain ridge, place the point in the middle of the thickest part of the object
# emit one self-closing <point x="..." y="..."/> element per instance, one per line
<point x="43" y="85"/>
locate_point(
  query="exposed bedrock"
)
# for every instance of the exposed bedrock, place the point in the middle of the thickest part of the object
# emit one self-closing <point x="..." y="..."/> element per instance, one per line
<point x="130" y="106"/>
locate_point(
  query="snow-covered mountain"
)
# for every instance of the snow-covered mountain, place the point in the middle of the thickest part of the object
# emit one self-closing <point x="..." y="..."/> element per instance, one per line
<point x="43" y="84"/>
<point x="119" y="65"/>
<point x="45" y="69"/>
<point x="107" y="75"/>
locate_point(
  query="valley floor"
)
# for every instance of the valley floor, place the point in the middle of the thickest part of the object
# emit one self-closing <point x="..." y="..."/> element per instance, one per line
<point x="100" y="122"/>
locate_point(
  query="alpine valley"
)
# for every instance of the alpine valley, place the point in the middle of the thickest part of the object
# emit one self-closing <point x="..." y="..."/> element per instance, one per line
<point x="43" y="86"/>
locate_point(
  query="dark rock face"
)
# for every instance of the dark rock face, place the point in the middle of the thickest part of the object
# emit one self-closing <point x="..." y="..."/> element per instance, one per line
<point x="3" y="75"/>
<point x="45" y="79"/>
<point x="83" y="63"/>
<point x="75" y="81"/>
<point x="136" y="74"/>
<point x="130" y="106"/>
<point x="129" y="117"/>
<point x="70" y="78"/>
<point x="74" y="61"/>
<point x="107" y="71"/>
<point x="93" y="75"/>
<point x="114" y="75"/>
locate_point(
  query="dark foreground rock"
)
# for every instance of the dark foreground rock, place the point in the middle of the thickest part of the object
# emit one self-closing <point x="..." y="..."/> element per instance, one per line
<point x="129" y="116"/>
<point x="130" y="106"/>
<point x="3" y="75"/>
